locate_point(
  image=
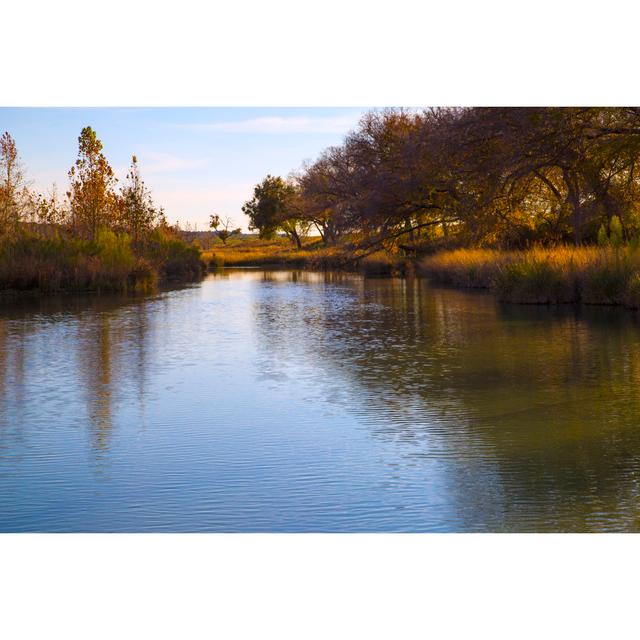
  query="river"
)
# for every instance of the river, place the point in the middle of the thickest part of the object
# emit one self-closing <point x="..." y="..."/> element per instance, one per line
<point x="286" y="401"/>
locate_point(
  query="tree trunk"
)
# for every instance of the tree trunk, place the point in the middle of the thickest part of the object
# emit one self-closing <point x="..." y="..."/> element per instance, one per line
<point x="321" y="232"/>
<point x="577" y="215"/>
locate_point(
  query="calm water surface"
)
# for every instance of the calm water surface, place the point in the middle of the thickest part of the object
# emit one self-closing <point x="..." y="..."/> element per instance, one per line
<point x="291" y="401"/>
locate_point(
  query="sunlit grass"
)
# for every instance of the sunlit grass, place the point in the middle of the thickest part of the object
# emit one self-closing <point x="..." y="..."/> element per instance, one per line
<point x="254" y="251"/>
<point x="593" y="275"/>
<point x="243" y="252"/>
<point x="110" y="262"/>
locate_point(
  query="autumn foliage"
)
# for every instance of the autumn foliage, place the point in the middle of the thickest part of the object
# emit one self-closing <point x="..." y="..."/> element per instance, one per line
<point x="96" y="237"/>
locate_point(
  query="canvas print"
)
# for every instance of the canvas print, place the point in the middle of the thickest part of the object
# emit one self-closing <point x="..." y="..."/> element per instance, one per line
<point x="319" y="319"/>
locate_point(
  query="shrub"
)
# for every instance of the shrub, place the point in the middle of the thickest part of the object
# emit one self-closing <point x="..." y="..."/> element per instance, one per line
<point x="615" y="232"/>
<point x="377" y="264"/>
<point x="172" y="257"/>
<point x="108" y="263"/>
<point x="603" y="238"/>
<point x="535" y="279"/>
<point x="606" y="279"/>
<point x="114" y="250"/>
<point x="216" y="261"/>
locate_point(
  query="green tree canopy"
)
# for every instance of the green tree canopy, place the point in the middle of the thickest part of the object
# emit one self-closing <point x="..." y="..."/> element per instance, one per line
<point x="273" y="208"/>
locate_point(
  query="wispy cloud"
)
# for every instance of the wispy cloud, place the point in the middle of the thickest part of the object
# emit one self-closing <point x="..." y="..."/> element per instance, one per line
<point x="282" y="124"/>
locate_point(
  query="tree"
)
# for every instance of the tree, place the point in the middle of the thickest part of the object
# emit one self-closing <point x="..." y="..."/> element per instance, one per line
<point x="138" y="212"/>
<point x="321" y="200"/>
<point x="222" y="228"/>
<point x="566" y="167"/>
<point x="12" y="188"/>
<point x="49" y="212"/>
<point x="272" y="208"/>
<point x="386" y="181"/>
<point x="92" y="199"/>
<point x="402" y="182"/>
<point x="504" y="176"/>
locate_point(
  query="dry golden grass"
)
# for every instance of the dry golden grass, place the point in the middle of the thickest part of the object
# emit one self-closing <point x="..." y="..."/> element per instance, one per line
<point x="253" y="251"/>
<point x="464" y="267"/>
<point x="257" y="252"/>
<point x="382" y="263"/>
<point x="593" y="275"/>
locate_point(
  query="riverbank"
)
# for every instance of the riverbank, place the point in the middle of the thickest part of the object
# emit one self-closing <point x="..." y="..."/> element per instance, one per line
<point x="279" y="252"/>
<point x="111" y="263"/>
<point x="587" y="275"/>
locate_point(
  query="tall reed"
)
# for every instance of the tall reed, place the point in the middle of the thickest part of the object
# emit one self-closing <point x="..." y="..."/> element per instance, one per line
<point x="591" y="275"/>
<point x="109" y="262"/>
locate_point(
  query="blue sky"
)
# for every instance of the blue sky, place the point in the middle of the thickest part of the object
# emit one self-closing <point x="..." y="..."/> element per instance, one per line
<point x="195" y="160"/>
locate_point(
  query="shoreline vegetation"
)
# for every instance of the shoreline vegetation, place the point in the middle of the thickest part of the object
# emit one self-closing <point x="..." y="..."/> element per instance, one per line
<point x="559" y="275"/>
<point x="598" y="275"/>
<point x="108" y="263"/>
<point x="96" y="238"/>
<point x="252" y="251"/>
<point x="539" y="205"/>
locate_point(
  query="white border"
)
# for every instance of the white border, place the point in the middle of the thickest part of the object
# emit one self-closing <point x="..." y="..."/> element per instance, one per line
<point x="338" y="52"/>
<point x="318" y="586"/>
<point x="289" y="53"/>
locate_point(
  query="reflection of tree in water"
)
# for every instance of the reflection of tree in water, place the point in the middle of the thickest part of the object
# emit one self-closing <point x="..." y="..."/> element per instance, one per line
<point x="3" y="359"/>
<point x="14" y="348"/>
<point x="95" y="360"/>
<point x="107" y="337"/>
<point x="113" y="359"/>
<point x="534" y="410"/>
<point x="289" y="320"/>
<point x="549" y="395"/>
<point x="6" y="374"/>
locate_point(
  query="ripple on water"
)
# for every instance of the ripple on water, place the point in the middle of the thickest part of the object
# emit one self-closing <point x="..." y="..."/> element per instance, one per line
<point x="290" y="401"/>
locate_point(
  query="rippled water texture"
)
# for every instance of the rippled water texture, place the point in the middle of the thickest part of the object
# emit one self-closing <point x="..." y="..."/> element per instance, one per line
<point x="288" y="401"/>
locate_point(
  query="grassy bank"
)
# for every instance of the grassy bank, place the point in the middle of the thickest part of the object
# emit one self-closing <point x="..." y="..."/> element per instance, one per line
<point x="589" y="275"/>
<point x="110" y="262"/>
<point x="257" y="252"/>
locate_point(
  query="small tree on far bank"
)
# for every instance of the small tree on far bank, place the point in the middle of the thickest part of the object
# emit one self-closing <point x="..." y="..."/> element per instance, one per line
<point x="138" y="213"/>
<point x="273" y="208"/>
<point x="222" y="228"/>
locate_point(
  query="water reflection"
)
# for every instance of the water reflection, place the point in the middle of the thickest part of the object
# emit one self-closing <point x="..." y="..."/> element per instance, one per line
<point x="535" y="409"/>
<point x="289" y="400"/>
<point x="84" y="352"/>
